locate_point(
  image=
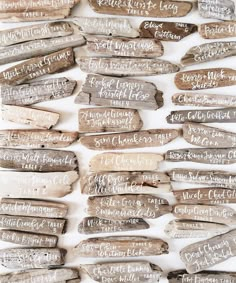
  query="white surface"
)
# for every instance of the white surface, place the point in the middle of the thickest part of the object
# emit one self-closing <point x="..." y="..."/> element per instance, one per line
<point x="152" y="119"/>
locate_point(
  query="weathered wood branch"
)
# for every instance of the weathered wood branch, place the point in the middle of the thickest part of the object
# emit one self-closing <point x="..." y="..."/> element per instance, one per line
<point x="218" y="30"/>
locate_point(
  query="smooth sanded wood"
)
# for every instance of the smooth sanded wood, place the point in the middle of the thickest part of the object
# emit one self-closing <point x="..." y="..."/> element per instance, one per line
<point x="95" y="120"/>
<point x="217" y="30"/>
<point x="37" y="67"/>
<point x="36" y="185"/>
<point x="96" y="225"/>
<point x="166" y="31"/>
<point x="202" y="255"/>
<point x="122" y="247"/>
<point x="145" y="138"/>
<point x="135" y="161"/>
<point x="38" y="91"/>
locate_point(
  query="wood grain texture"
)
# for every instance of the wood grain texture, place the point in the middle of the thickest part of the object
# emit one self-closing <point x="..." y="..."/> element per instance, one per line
<point x="122" y="247"/>
<point x="119" y="93"/>
<point x="217" y="30"/>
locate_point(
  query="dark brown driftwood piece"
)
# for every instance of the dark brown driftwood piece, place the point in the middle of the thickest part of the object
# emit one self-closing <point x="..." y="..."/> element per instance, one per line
<point x="217" y="30"/>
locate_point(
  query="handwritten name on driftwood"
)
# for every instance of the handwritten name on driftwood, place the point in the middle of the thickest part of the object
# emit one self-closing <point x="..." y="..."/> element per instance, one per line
<point x="217" y="30"/>
<point x="122" y="247"/>
<point x="119" y="93"/>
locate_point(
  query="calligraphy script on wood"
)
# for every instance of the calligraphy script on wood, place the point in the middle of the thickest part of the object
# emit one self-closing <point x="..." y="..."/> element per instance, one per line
<point x="217" y="30"/>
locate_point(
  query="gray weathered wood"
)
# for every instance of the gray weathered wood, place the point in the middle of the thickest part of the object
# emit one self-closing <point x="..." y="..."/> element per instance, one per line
<point x="135" y="161"/>
<point x="178" y="229"/>
<point x="37" y="67"/>
<point x="95" y="120"/>
<point x="217" y="30"/>
<point x="205" y="136"/>
<point x="95" y="225"/>
<point x="38" y="91"/>
<point x="145" y="138"/>
<point x="128" y="206"/>
<point x="166" y="31"/>
<point x="36" y="138"/>
<point x="121" y="67"/>
<point x="202" y="255"/>
<point x="133" y="271"/>
<point x="122" y="247"/>
<point x="39" y="160"/>
<point x="36" y="185"/>
<point x="28" y="258"/>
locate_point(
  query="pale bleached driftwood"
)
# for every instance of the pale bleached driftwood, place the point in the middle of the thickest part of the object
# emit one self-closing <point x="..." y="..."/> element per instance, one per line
<point x="145" y="138"/>
<point x="135" y="161"/>
<point x="95" y="120"/>
<point x="205" y="78"/>
<point x="178" y="229"/>
<point x="156" y="8"/>
<point x="36" y="185"/>
<point x="35" y="10"/>
<point x="128" y="206"/>
<point x="120" y="93"/>
<point x="110" y="183"/>
<point x="166" y="31"/>
<point x="36" y="138"/>
<point x="124" y="47"/>
<point x="122" y="247"/>
<point x="40" y="160"/>
<point x="28" y="239"/>
<point x="133" y="271"/>
<point x="202" y="255"/>
<point x="27" y="258"/>
<point x="37" y="67"/>
<point x="33" y="117"/>
<point x="217" y="30"/>
<point x="204" y="99"/>
<point x="121" y="67"/>
<point x="200" y="155"/>
<point x="95" y="225"/>
<point x="205" y="136"/>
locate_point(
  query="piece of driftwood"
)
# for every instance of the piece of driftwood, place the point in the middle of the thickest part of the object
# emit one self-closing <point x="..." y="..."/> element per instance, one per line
<point x="95" y="225"/>
<point x="35" y="10"/>
<point x="133" y="271"/>
<point x="36" y="185"/>
<point x="135" y="161"/>
<point x="54" y="275"/>
<point x="128" y="206"/>
<point x="119" y="93"/>
<point x="154" y="8"/>
<point x="202" y="255"/>
<point x="27" y="258"/>
<point x="38" y="91"/>
<point x="204" y="99"/>
<point x="166" y="31"/>
<point x="38" y="225"/>
<point x="41" y="160"/>
<point x="36" y="138"/>
<point x="205" y="78"/>
<point x="205" y="136"/>
<point x="222" y="179"/>
<point x="146" y="138"/>
<point x="121" y="67"/>
<point x="37" y="67"/>
<point x="126" y="246"/>
<point x="181" y="229"/>
<point x="110" y="183"/>
<point x="33" y="117"/>
<point x="95" y="120"/>
<point x="217" y="30"/>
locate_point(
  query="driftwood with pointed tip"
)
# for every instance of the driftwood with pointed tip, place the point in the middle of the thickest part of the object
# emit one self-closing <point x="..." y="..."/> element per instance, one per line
<point x="126" y="246"/>
<point x="217" y="30"/>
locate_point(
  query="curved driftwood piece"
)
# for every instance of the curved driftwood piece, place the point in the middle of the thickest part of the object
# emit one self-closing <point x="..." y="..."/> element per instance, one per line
<point x="202" y="255"/>
<point x="27" y="258"/>
<point x="126" y="246"/>
<point x="119" y="93"/>
<point x="166" y="31"/>
<point x="217" y="30"/>
<point x="182" y="229"/>
<point x="132" y="271"/>
<point x="37" y="67"/>
<point x="95" y="225"/>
